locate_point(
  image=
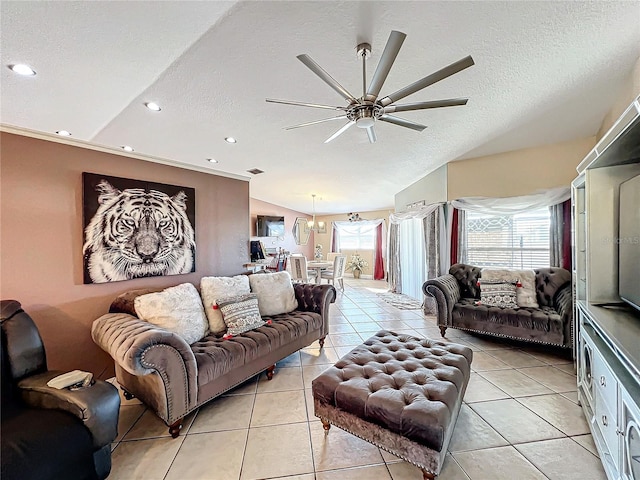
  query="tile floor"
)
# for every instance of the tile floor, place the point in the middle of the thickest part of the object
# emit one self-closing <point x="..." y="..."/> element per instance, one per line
<point x="520" y="418"/>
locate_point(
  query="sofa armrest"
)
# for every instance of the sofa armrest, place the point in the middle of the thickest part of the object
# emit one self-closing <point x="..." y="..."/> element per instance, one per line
<point x="97" y="405"/>
<point x="316" y="298"/>
<point x="563" y="304"/>
<point x="446" y="291"/>
<point x="141" y="348"/>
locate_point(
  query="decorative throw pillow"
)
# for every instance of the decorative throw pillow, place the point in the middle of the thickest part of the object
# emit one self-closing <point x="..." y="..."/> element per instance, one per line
<point x="240" y="313"/>
<point x="214" y="288"/>
<point x="498" y="294"/>
<point x="177" y="309"/>
<point x="275" y="293"/>
<point x="526" y="294"/>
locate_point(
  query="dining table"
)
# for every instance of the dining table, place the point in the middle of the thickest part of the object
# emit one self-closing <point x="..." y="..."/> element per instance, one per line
<point x="318" y="266"/>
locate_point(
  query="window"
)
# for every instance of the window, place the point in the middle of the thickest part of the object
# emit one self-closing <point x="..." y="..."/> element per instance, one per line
<point x="357" y="237"/>
<point x="510" y="241"/>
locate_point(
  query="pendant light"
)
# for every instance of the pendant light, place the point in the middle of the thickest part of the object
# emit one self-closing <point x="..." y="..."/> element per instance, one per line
<point x="312" y="224"/>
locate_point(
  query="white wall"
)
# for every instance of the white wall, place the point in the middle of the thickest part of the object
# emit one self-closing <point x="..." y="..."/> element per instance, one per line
<point x="431" y="188"/>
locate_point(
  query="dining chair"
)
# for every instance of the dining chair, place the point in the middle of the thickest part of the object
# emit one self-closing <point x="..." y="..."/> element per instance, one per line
<point x="299" y="271"/>
<point x="332" y="255"/>
<point x="339" y="266"/>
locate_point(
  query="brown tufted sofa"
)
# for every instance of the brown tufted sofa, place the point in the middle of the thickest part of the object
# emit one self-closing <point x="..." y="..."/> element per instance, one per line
<point x="552" y="323"/>
<point x="174" y="378"/>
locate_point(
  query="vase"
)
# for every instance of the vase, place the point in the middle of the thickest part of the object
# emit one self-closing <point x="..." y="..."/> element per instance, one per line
<point x="356" y="273"/>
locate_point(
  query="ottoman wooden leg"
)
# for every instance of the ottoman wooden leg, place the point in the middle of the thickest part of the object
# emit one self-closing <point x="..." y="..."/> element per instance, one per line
<point x="321" y="342"/>
<point x="442" y="330"/>
<point x="428" y="475"/>
<point x="326" y="425"/>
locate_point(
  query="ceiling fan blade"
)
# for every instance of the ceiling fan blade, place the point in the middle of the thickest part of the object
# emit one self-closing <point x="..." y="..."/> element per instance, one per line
<point x="402" y="122"/>
<point x="428" y="80"/>
<point x="407" y="107"/>
<point x="371" y="134"/>
<point x="339" y="132"/>
<point x="389" y="55"/>
<point x="328" y="79"/>
<point x="339" y="117"/>
<point x="302" y="104"/>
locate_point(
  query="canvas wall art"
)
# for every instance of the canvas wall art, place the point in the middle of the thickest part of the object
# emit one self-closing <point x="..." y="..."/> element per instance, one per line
<point x="135" y="229"/>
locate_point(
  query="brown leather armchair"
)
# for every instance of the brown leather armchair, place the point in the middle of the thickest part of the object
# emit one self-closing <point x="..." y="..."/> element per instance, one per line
<point x="49" y="433"/>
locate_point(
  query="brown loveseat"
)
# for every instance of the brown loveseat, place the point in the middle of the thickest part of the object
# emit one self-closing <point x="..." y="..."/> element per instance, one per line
<point x="174" y="378"/>
<point x="457" y="295"/>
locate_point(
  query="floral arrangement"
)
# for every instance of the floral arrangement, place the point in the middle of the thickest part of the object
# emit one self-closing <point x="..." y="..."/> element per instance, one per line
<point x="357" y="263"/>
<point x="318" y="255"/>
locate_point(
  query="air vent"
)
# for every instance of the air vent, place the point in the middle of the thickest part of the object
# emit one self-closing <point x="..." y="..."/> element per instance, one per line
<point x="255" y="171"/>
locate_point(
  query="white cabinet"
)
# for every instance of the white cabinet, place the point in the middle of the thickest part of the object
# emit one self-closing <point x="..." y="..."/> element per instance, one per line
<point x="607" y="332"/>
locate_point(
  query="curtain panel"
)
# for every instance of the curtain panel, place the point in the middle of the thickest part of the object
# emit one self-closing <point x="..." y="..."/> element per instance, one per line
<point x="560" y="235"/>
<point x="393" y="259"/>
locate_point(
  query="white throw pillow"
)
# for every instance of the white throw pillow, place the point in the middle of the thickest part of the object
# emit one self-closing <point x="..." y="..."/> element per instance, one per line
<point x="177" y="309"/>
<point x="526" y="295"/>
<point x="275" y="293"/>
<point x="213" y="289"/>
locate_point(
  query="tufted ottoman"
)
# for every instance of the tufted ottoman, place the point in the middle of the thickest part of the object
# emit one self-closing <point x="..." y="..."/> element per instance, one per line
<point x="398" y="392"/>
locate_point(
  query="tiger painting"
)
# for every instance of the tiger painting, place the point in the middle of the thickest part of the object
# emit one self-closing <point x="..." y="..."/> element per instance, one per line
<point x="137" y="233"/>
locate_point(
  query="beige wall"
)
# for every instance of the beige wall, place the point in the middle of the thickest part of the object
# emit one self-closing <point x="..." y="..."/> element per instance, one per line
<point x="324" y="239"/>
<point x="258" y="207"/>
<point x="41" y="239"/>
<point x="520" y="172"/>
<point x="629" y="92"/>
<point x="431" y="188"/>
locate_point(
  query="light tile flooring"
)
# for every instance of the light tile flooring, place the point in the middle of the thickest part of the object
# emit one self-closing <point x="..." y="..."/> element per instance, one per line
<point x="520" y="418"/>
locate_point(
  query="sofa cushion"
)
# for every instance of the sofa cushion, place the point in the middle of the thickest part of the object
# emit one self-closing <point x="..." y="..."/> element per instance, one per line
<point x="214" y="288"/>
<point x="526" y="294"/>
<point x="177" y="309"/>
<point x="240" y="313"/>
<point x="216" y="356"/>
<point x="275" y="293"/>
<point x="537" y="324"/>
<point x="498" y="294"/>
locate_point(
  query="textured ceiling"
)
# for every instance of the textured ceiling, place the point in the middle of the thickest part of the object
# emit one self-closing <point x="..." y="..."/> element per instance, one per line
<point x="545" y="72"/>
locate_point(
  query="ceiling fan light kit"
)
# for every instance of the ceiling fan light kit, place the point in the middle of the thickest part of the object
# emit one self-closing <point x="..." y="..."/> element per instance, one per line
<point x="363" y="112"/>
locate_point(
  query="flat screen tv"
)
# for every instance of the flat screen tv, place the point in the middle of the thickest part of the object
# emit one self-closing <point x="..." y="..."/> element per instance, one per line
<point x="629" y="242"/>
<point x="269" y="226"/>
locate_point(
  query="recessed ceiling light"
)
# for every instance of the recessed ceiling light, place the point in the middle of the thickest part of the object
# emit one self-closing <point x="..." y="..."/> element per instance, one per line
<point x="22" y="69"/>
<point x="127" y="148"/>
<point x="212" y="160"/>
<point x="63" y="133"/>
<point x="153" y="106"/>
<point x="230" y="140"/>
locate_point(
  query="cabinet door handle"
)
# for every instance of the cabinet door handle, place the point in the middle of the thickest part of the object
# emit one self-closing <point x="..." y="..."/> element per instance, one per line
<point x="605" y="422"/>
<point x="603" y="381"/>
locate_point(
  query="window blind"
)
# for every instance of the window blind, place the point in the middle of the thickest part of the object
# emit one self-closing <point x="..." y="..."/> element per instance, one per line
<point x="509" y="241"/>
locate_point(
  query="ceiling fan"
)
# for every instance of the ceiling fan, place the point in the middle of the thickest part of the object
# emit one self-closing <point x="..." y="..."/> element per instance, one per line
<point x="366" y="110"/>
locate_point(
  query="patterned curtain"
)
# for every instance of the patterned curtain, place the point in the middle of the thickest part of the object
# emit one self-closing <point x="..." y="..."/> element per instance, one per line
<point x="462" y="237"/>
<point x="560" y="235"/>
<point x="431" y="228"/>
<point x="393" y="261"/>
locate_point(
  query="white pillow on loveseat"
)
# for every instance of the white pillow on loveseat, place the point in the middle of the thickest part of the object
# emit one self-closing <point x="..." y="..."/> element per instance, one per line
<point x="177" y="309"/>
<point x="213" y="289"/>
<point x="526" y="295"/>
<point x="275" y="293"/>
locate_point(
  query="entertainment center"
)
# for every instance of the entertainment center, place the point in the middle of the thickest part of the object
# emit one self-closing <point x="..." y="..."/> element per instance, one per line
<point x="607" y="341"/>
